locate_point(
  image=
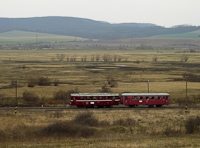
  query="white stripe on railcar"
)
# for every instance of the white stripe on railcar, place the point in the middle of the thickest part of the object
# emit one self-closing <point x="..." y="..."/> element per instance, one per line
<point x="93" y="100"/>
<point x="93" y="94"/>
<point x="145" y="94"/>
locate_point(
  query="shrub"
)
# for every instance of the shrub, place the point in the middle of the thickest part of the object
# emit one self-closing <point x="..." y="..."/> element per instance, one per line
<point x="42" y="81"/>
<point x="30" y="84"/>
<point x="137" y="62"/>
<point x="68" y="129"/>
<point x="64" y="95"/>
<point x="13" y="83"/>
<point x="105" y="89"/>
<point x="155" y="59"/>
<point x="192" y="125"/>
<point x="30" y="97"/>
<point x="56" y="82"/>
<point x="60" y="57"/>
<point x="169" y="131"/>
<point x="111" y="82"/>
<point x="60" y="95"/>
<point x="119" y="129"/>
<point x="86" y="119"/>
<point x="125" y="122"/>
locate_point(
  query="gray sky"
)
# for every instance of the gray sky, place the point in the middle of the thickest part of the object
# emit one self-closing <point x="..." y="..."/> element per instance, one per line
<point x="161" y="12"/>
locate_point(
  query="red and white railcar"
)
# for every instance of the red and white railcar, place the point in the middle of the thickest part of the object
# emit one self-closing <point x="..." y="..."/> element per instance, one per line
<point x="94" y="99"/>
<point x="150" y="99"/>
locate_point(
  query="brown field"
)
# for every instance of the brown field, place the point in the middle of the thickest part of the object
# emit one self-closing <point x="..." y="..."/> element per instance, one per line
<point x="79" y="71"/>
<point x="108" y="128"/>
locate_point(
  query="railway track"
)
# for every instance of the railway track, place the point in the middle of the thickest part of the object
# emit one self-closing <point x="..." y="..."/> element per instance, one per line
<point x="112" y="108"/>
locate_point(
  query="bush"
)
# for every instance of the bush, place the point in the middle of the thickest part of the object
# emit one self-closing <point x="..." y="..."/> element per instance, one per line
<point x="192" y="125"/>
<point x="111" y="82"/>
<point x="125" y="122"/>
<point x="86" y="119"/>
<point x="64" y="95"/>
<point x="56" y="82"/>
<point x="169" y="131"/>
<point x="119" y="129"/>
<point x="30" y="97"/>
<point x="68" y="129"/>
<point x="42" y="81"/>
<point x="60" y="95"/>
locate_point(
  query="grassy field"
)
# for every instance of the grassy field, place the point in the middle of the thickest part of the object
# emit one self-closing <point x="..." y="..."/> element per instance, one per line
<point x="99" y="128"/>
<point x="84" y="70"/>
<point x="166" y="71"/>
<point x="189" y="35"/>
<point x="22" y="37"/>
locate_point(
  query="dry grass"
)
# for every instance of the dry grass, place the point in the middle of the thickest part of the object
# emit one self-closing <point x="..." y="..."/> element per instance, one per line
<point x="165" y="75"/>
<point x="110" y="128"/>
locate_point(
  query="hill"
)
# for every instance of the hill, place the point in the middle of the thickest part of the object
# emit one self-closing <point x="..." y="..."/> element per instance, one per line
<point x="86" y="28"/>
<point x="32" y="37"/>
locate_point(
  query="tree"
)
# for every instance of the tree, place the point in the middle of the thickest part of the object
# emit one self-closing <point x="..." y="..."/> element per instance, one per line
<point x="155" y="59"/>
<point x="60" y="57"/>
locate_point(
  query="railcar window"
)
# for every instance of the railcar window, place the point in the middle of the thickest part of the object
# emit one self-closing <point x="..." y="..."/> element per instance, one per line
<point x="74" y="98"/>
<point x="147" y="98"/>
<point x="159" y="98"/>
<point x="126" y="98"/>
<point x="82" y="98"/>
<point x="89" y="98"/>
<point x="141" y="98"/>
<point x="107" y="98"/>
<point x="152" y="98"/>
<point x="134" y="98"/>
<point x="101" y="98"/>
<point x="164" y="97"/>
<point x="95" y="98"/>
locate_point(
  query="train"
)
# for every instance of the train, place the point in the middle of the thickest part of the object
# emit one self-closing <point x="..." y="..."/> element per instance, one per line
<point x="108" y="100"/>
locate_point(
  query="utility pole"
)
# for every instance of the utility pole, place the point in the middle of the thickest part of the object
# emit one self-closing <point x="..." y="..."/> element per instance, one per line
<point x="16" y="93"/>
<point x="186" y="98"/>
<point x="16" y="99"/>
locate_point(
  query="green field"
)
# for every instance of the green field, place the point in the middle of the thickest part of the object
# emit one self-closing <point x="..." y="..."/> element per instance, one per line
<point x="22" y="37"/>
<point x="189" y="35"/>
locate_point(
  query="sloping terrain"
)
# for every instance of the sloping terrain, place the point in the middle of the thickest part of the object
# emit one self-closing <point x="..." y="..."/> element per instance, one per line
<point x="87" y="28"/>
<point x="30" y="37"/>
<point x="189" y="35"/>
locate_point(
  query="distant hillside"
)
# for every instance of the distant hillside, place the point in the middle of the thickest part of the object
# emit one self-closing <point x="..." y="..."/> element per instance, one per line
<point x="87" y="28"/>
<point x="189" y="35"/>
<point x="32" y="37"/>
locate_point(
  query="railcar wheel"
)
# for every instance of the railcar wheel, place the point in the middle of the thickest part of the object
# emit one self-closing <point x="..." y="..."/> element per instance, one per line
<point x="131" y="106"/>
<point x="108" y="106"/>
<point x="158" y="105"/>
<point x="151" y="106"/>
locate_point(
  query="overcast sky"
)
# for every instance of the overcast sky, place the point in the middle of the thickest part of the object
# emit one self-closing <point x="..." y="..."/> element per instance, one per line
<point x="160" y="12"/>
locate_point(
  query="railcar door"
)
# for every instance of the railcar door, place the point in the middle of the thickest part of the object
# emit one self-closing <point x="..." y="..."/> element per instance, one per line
<point x="140" y="100"/>
<point x="146" y="100"/>
<point x="166" y="100"/>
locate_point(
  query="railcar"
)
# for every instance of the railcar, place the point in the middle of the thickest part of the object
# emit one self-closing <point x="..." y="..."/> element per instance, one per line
<point x="150" y="99"/>
<point x="94" y="99"/>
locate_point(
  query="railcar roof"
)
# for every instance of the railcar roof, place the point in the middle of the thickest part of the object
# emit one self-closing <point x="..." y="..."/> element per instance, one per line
<point x="93" y="94"/>
<point x="145" y="94"/>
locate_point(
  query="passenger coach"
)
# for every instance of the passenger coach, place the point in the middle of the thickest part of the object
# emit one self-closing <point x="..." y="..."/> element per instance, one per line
<point x="94" y="99"/>
<point x="150" y="99"/>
